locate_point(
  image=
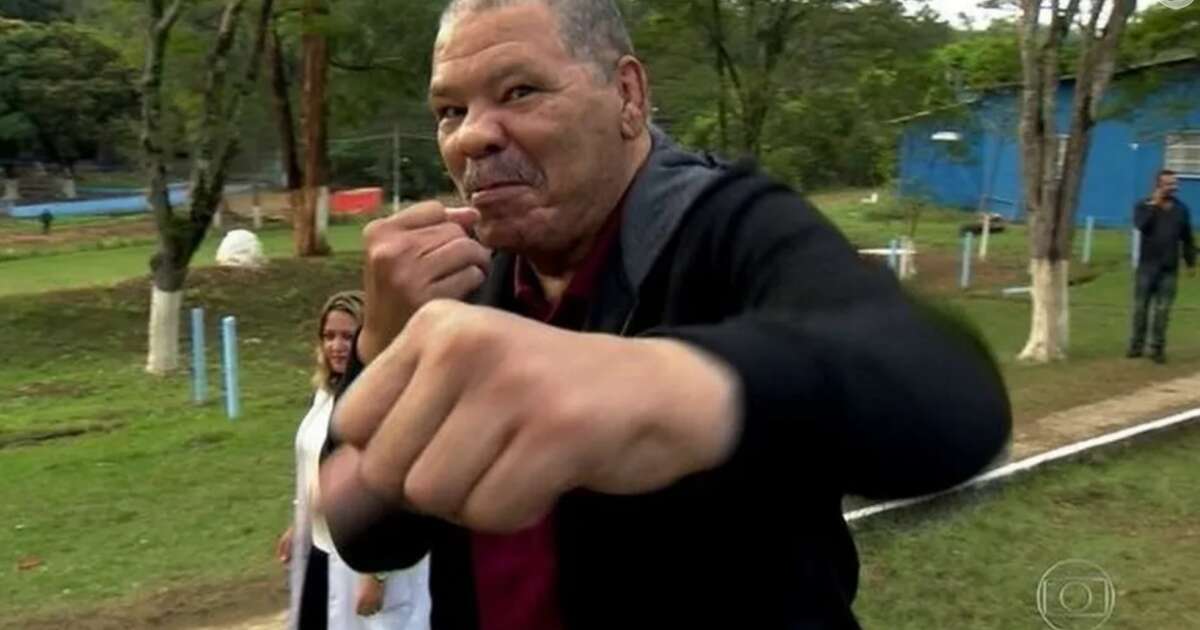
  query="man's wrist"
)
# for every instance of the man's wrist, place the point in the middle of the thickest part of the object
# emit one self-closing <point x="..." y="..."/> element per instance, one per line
<point x="705" y="402"/>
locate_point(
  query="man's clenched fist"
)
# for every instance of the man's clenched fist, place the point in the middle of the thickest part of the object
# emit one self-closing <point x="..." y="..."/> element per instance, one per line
<point x="421" y="254"/>
<point x="484" y="418"/>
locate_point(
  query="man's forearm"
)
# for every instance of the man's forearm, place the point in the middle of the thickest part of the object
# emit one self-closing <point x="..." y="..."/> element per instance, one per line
<point x="898" y="404"/>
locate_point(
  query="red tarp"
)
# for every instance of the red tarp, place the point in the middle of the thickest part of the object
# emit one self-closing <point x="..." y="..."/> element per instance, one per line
<point x="356" y="201"/>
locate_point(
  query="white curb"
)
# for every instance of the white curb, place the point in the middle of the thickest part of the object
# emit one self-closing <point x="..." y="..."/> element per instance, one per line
<point x="1029" y="463"/>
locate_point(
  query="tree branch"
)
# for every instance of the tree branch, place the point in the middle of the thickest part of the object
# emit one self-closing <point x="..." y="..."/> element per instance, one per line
<point x="165" y="22"/>
<point x="233" y="113"/>
<point x="363" y="67"/>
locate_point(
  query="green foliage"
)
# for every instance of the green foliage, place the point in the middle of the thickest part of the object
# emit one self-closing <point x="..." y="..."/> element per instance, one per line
<point x="1159" y="31"/>
<point x="61" y="86"/>
<point x="980" y="59"/>
<point x="841" y="71"/>
<point x="33" y="10"/>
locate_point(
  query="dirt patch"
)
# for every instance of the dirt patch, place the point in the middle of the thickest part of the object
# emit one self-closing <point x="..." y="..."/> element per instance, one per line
<point x="54" y="389"/>
<point x="207" y="606"/>
<point x="141" y="228"/>
<point x="1087" y="421"/>
<point x="939" y="273"/>
<point x="38" y="436"/>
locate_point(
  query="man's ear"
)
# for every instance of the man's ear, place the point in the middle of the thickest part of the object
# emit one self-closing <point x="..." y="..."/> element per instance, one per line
<point x="635" y="100"/>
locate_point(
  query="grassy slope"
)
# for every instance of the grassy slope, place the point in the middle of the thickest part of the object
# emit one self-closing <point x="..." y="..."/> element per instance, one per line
<point x="172" y="493"/>
<point x="976" y="564"/>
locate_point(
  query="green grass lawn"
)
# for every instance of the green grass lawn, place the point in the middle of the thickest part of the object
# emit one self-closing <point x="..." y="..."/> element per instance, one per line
<point x="976" y="563"/>
<point x="160" y="492"/>
<point x="100" y="267"/>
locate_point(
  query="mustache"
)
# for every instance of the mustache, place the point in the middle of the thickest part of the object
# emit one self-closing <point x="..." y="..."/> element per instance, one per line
<point x="501" y="168"/>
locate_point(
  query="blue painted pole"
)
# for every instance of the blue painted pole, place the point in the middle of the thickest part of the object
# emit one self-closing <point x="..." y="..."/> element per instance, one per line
<point x="964" y="280"/>
<point x="199" y="377"/>
<point x="1087" y="240"/>
<point x="892" y="254"/>
<point x="1135" y="250"/>
<point x="229" y="339"/>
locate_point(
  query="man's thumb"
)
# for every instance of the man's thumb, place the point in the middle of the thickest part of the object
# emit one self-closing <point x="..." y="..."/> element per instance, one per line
<point x="465" y="216"/>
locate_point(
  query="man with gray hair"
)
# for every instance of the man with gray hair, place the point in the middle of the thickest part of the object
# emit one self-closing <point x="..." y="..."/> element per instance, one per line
<point x="627" y="386"/>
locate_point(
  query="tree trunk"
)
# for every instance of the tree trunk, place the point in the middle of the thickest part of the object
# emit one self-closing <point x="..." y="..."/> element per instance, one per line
<point x="282" y="105"/>
<point x="179" y="234"/>
<point x="165" y="308"/>
<point x="1051" y="195"/>
<point x="310" y="240"/>
<point x="718" y="34"/>
<point x="163" y="340"/>
<point x="67" y="186"/>
<point x="1048" y="331"/>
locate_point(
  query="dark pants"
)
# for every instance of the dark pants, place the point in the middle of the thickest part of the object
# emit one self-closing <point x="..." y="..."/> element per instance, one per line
<point x="1154" y="293"/>
<point x="314" y="598"/>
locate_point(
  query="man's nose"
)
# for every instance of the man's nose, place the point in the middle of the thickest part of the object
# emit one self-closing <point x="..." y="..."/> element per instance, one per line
<point x="481" y="134"/>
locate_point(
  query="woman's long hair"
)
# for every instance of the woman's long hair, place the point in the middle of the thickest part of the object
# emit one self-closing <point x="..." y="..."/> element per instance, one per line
<point x="351" y="303"/>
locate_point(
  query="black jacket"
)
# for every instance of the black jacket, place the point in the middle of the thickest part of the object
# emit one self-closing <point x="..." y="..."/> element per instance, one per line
<point x="1163" y="233"/>
<point x="849" y="388"/>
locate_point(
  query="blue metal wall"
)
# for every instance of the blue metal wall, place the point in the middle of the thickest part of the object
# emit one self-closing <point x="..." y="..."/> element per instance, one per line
<point x="985" y="166"/>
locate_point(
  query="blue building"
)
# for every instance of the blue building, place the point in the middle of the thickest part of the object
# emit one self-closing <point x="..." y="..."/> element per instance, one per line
<point x="968" y="155"/>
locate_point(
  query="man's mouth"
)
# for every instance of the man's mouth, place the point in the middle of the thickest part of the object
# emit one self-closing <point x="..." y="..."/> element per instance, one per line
<point x="495" y="192"/>
<point x="490" y="185"/>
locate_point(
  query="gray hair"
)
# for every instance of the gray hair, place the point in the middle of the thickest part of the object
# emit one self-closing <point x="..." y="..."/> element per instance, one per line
<point x="593" y="31"/>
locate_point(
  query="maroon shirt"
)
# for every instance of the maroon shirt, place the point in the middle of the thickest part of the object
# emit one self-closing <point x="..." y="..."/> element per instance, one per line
<point x="516" y="575"/>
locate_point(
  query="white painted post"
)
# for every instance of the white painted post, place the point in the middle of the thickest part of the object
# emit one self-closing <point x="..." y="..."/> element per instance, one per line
<point x="322" y="212"/>
<point x="68" y="187"/>
<point x="1087" y="240"/>
<point x="908" y="251"/>
<point x="199" y="377"/>
<point x="1135" y="249"/>
<point x="230" y="363"/>
<point x="257" y="208"/>
<point x="964" y="280"/>
<point x="987" y="231"/>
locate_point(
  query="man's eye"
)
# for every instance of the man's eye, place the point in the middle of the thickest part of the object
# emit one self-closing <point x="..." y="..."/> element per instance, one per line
<point x="521" y="91"/>
<point x="450" y="113"/>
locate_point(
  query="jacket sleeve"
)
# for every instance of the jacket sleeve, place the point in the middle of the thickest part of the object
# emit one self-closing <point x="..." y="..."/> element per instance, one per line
<point x="1143" y="216"/>
<point x="372" y="537"/>
<point x="1185" y="235"/>
<point x="884" y="396"/>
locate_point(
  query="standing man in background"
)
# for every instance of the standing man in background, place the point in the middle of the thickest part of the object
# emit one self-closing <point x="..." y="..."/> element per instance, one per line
<point x="1165" y="224"/>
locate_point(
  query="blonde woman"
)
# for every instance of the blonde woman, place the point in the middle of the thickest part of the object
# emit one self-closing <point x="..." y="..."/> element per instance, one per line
<point x="327" y="594"/>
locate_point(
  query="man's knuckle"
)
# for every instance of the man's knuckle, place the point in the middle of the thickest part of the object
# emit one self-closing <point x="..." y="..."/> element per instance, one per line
<point x="379" y="478"/>
<point x="421" y="491"/>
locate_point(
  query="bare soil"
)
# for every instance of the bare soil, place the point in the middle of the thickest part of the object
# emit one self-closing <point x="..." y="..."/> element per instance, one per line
<point x="251" y="604"/>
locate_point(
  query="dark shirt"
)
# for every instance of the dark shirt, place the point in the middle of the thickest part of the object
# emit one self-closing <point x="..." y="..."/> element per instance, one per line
<point x="516" y="575"/>
<point x="1164" y="231"/>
